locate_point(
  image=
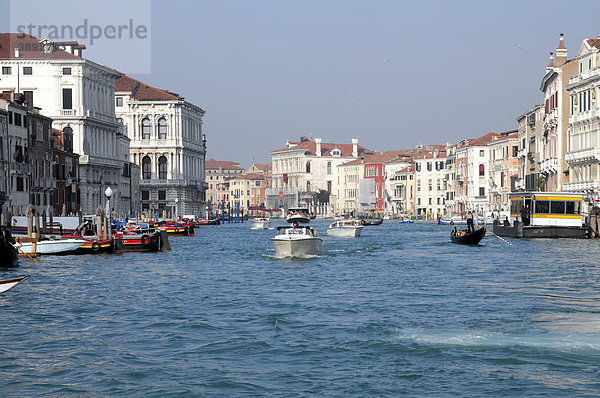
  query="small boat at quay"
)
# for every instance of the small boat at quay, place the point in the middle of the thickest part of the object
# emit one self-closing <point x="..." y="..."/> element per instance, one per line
<point x="350" y="228"/>
<point x="7" y="284"/>
<point x="544" y="215"/>
<point x="206" y="221"/>
<point x="296" y="241"/>
<point x="8" y="253"/>
<point x="299" y="215"/>
<point x="464" y="237"/>
<point x="261" y="223"/>
<point x="142" y="240"/>
<point x="405" y="220"/>
<point x="52" y="246"/>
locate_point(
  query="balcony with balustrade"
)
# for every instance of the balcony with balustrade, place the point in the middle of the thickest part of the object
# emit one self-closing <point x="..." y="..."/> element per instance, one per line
<point x="549" y="165"/>
<point x="581" y="186"/>
<point x="586" y="155"/>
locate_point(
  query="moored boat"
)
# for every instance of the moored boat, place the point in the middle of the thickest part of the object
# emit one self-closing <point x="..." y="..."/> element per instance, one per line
<point x="544" y="215"/>
<point x="7" y="284"/>
<point x="8" y="253"/>
<point x="296" y="241"/>
<point x="298" y="214"/>
<point x="142" y="240"/>
<point x="261" y="223"/>
<point x="350" y="228"/>
<point x="52" y="246"/>
<point x="464" y="237"/>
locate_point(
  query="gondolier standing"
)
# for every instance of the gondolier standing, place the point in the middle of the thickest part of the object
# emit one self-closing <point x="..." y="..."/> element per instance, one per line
<point x="470" y="227"/>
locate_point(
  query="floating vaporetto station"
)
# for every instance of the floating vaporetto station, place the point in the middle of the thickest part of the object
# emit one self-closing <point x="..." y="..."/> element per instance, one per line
<point x="544" y="215"/>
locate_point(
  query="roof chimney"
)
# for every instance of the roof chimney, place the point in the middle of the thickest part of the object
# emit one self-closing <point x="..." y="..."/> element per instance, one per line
<point x="354" y="147"/>
<point x="551" y="61"/>
<point x="561" y="52"/>
<point x="16" y="52"/>
<point x="318" y="151"/>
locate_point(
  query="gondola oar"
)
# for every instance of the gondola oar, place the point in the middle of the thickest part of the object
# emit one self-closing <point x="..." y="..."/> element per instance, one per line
<point x="502" y="239"/>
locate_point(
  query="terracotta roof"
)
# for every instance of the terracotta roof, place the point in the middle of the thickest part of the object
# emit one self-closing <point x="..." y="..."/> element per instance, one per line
<point x="249" y="176"/>
<point x="407" y="169"/>
<point x="311" y="147"/>
<point x="142" y="91"/>
<point x="484" y="140"/>
<point x="594" y="43"/>
<point x="222" y="164"/>
<point x="31" y="48"/>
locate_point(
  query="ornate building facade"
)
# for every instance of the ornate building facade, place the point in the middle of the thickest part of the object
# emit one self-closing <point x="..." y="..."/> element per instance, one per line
<point x="168" y="145"/>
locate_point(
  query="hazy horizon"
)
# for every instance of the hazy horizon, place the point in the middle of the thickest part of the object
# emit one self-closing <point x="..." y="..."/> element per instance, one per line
<point x="392" y="74"/>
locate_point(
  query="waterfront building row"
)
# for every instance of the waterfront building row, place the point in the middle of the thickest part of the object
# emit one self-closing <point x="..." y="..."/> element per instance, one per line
<point x="145" y="143"/>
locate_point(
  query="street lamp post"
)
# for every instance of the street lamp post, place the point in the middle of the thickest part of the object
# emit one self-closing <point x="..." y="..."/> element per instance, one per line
<point x="176" y="209"/>
<point x="108" y="194"/>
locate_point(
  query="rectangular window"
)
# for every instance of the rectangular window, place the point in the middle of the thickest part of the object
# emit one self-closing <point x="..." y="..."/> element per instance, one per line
<point x="542" y="206"/>
<point x="119" y="101"/>
<point x="66" y="71"/>
<point x="29" y="98"/>
<point x="481" y="152"/>
<point x="17" y="119"/>
<point x="10" y="118"/>
<point x="481" y="191"/>
<point x="6" y="70"/>
<point x="20" y="187"/>
<point x="162" y="195"/>
<point x="27" y="70"/>
<point x="557" y="207"/>
<point x="145" y="195"/>
<point x="67" y="98"/>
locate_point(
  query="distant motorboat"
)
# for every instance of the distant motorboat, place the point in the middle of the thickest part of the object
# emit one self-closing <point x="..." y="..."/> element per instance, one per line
<point x="405" y="220"/>
<point x="296" y="241"/>
<point x="261" y="223"/>
<point x="7" y="284"/>
<point x="298" y="215"/>
<point x="350" y="228"/>
<point x="57" y="246"/>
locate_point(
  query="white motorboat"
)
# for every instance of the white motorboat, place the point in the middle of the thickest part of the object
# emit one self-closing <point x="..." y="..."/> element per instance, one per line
<point x="8" y="284"/>
<point x="297" y="241"/>
<point x="57" y="246"/>
<point x="261" y="223"/>
<point x="345" y="229"/>
<point x="298" y="215"/>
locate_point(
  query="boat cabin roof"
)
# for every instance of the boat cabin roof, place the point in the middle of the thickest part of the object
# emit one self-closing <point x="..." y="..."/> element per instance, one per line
<point x="546" y="196"/>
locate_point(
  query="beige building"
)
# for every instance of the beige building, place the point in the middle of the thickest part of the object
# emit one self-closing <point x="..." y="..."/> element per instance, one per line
<point x="531" y="139"/>
<point x="303" y="168"/>
<point x="553" y="167"/>
<point x="503" y="169"/>
<point x="218" y="173"/>
<point x="430" y="187"/>
<point x="348" y="179"/>
<point x="583" y="149"/>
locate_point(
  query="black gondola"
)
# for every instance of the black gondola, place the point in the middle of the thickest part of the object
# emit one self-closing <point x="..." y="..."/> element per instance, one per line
<point x="8" y="253"/>
<point x="464" y="237"/>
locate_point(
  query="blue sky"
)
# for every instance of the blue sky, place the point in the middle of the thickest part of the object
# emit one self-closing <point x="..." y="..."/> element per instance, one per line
<point x="393" y="74"/>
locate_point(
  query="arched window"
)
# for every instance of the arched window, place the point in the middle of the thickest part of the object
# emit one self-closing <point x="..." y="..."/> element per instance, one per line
<point x="146" y="168"/>
<point x="162" y="168"/>
<point x="162" y="128"/>
<point x="308" y="166"/>
<point x="481" y="170"/>
<point x="328" y="167"/>
<point x="145" y="128"/>
<point x="308" y="186"/>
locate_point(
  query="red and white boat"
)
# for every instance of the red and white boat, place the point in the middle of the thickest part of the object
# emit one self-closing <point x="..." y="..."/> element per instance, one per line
<point x="7" y="284"/>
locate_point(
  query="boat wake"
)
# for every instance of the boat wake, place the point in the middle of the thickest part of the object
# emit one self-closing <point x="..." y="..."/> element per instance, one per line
<point x="295" y="257"/>
<point x="552" y="341"/>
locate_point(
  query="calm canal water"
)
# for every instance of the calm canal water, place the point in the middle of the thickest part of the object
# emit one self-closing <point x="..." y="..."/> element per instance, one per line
<point x="398" y="311"/>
